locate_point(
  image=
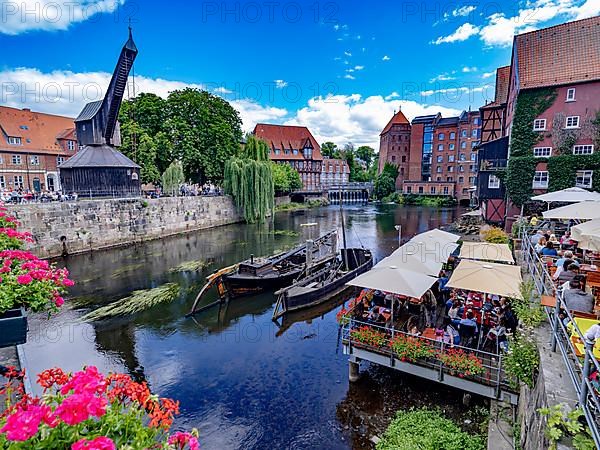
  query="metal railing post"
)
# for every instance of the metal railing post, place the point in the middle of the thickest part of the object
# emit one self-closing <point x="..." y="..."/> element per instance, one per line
<point x="589" y="348"/>
<point x="556" y="323"/>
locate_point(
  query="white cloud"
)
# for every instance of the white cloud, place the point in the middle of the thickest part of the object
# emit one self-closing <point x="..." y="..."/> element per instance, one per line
<point x="462" y="33"/>
<point x="280" y="84"/>
<point x="488" y="75"/>
<point x="394" y="95"/>
<point x="468" y="69"/>
<point x="348" y="54"/>
<point x="50" y="15"/>
<point x="442" y="77"/>
<point x="222" y="90"/>
<point x="352" y="118"/>
<point x="463" y="11"/>
<point x="474" y="94"/>
<point x="349" y="77"/>
<point x="590" y="8"/>
<point x="65" y="93"/>
<point x="359" y="67"/>
<point x="386" y="58"/>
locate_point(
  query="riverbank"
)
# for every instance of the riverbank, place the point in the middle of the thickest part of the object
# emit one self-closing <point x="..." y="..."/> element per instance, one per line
<point x="292" y="206"/>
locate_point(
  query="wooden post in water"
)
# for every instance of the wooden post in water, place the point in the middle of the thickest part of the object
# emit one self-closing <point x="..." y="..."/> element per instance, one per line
<point x="353" y="369"/>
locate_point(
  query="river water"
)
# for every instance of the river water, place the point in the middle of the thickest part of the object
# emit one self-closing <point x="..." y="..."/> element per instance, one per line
<point x="242" y="380"/>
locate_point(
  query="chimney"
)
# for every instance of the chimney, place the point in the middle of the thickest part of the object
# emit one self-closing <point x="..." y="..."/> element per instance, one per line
<point x="27" y="109"/>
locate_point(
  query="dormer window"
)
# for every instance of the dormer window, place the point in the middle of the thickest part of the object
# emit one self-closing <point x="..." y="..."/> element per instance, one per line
<point x="70" y="145"/>
<point x="13" y="140"/>
<point x="24" y="127"/>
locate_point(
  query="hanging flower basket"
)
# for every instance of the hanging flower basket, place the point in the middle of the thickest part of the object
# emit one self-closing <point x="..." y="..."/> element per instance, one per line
<point x="13" y="327"/>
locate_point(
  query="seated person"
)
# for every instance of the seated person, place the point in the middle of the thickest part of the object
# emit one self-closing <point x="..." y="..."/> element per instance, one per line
<point x="569" y="274"/>
<point x="469" y="320"/>
<point x="559" y="264"/>
<point x="540" y="245"/>
<point x="498" y="333"/>
<point x="549" y="250"/>
<point x="576" y="299"/>
<point x="567" y="240"/>
<point x="451" y="335"/>
<point x="535" y="238"/>
<point x="359" y="311"/>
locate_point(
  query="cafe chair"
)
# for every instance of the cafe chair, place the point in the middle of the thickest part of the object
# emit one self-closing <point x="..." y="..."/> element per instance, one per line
<point x="467" y="335"/>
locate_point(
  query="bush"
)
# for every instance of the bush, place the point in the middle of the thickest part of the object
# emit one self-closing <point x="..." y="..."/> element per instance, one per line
<point x="522" y="360"/>
<point x="427" y="430"/>
<point x="384" y="186"/>
<point x="494" y="235"/>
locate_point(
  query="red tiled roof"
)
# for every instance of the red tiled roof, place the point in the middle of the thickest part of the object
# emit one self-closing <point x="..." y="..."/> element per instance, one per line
<point x="564" y="54"/>
<point x="288" y="137"/>
<point x="398" y="119"/>
<point x="39" y="132"/>
<point x="502" y="84"/>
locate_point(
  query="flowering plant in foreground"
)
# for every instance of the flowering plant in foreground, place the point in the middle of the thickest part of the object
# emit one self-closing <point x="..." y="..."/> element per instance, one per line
<point x="88" y="410"/>
<point x="368" y="335"/>
<point x="462" y="362"/>
<point x="25" y="280"/>
<point x="411" y="348"/>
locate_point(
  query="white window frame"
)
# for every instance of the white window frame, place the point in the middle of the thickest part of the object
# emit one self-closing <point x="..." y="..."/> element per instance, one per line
<point x="572" y="120"/>
<point x="446" y="190"/>
<point x="542" y="152"/>
<point x="583" y="149"/>
<point x="440" y="159"/>
<point x="14" y="140"/>
<point x="493" y="182"/>
<point x="34" y="160"/>
<point x="441" y="136"/>
<point x="70" y="145"/>
<point x="18" y="181"/>
<point x="451" y="147"/>
<point x="539" y="125"/>
<point x="60" y="160"/>
<point x="453" y="135"/>
<point x="540" y="179"/>
<point x="438" y="169"/>
<point x="16" y="160"/>
<point x="581" y="177"/>
<point x="570" y="95"/>
<point x="451" y="158"/>
<point x="2" y="182"/>
<point x="432" y="189"/>
<point x="440" y="147"/>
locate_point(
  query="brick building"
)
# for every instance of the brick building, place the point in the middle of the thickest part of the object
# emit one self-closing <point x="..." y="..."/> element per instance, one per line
<point x="32" y="144"/>
<point x="394" y="146"/>
<point x="434" y="155"/>
<point x="562" y="65"/>
<point x="334" y="172"/>
<point x="296" y="146"/>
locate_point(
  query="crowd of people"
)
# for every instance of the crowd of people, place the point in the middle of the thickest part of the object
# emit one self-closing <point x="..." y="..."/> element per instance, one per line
<point x="18" y="196"/>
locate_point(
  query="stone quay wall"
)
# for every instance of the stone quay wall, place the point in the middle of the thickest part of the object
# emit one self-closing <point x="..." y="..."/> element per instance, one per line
<point x="87" y="225"/>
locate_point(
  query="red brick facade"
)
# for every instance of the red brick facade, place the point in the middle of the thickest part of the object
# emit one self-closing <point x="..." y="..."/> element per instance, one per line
<point x="394" y="146"/>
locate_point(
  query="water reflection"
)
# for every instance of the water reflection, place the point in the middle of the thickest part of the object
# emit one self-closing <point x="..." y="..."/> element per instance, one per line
<point x="243" y="380"/>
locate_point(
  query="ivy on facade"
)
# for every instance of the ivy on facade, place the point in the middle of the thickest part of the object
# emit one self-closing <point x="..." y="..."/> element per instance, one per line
<point x="562" y="170"/>
<point x="530" y="105"/>
<point x="519" y="178"/>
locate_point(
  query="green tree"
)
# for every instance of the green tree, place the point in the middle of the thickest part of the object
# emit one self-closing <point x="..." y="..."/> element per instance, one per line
<point x="206" y="132"/>
<point x="330" y="150"/>
<point x="173" y="178"/>
<point x="285" y="178"/>
<point x="249" y="180"/>
<point x="385" y="183"/>
<point x="367" y="154"/>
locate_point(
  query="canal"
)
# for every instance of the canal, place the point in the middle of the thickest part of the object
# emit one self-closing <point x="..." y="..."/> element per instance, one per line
<point x="242" y="380"/>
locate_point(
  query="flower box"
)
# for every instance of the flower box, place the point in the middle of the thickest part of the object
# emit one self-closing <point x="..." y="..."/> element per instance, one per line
<point x="13" y="327"/>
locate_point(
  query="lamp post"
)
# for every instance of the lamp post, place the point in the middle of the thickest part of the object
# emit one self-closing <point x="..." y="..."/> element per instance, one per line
<point x="399" y="230"/>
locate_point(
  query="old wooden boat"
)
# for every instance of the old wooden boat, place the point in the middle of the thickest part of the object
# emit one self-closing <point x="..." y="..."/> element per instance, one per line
<point x="320" y="286"/>
<point x="256" y="275"/>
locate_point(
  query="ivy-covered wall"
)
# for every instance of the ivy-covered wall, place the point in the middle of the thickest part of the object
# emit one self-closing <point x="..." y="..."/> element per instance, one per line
<point x="562" y="170"/>
<point x="518" y="178"/>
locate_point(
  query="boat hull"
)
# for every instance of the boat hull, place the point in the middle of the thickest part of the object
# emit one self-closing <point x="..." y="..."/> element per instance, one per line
<point x="241" y="285"/>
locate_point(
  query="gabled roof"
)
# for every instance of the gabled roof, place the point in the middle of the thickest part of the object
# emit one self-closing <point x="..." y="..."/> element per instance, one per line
<point x="39" y="132"/>
<point x="447" y="121"/>
<point x="502" y="84"/>
<point x="89" y="111"/>
<point x="426" y="119"/>
<point x="398" y="119"/>
<point x="563" y="54"/>
<point x="98" y="156"/>
<point x="288" y="137"/>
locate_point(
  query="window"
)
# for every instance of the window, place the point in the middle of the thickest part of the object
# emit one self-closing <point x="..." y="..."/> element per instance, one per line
<point x="295" y="151"/>
<point x="583" y="149"/>
<point x="440" y="159"/>
<point x="2" y="182"/>
<point x="18" y="181"/>
<point x="134" y="176"/>
<point x="473" y="168"/>
<point x="476" y="121"/>
<point x="474" y="133"/>
<point x="439" y="169"/>
<point x="473" y="156"/>
<point x="1" y="160"/>
<point x="449" y="179"/>
<point x="539" y="125"/>
<point x="12" y="140"/>
<point x="571" y="95"/>
<point x="439" y="178"/>
<point x="584" y="178"/>
<point x="440" y="147"/>
<point x="441" y="136"/>
<point x="461" y="179"/>
<point x="461" y="168"/>
<point x="404" y="158"/>
<point x="420" y="189"/>
<point x="34" y="160"/>
<point x="472" y="181"/>
<point x="393" y="159"/>
<point x="432" y="190"/>
<point x="542" y="152"/>
<point x="16" y="160"/>
<point x="540" y="179"/>
<point x="24" y="127"/>
<point x="60" y="160"/>
<point x="572" y="122"/>
<point x="493" y="182"/>
<point x="453" y="135"/>
<point x="450" y="169"/>
<point x="451" y="146"/>
<point x="445" y="190"/>
<point x="463" y="144"/>
<point x="277" y="151"/>
<point x="408" y="189"/>
<point x="463" y="133"/>
<point x="70" y="145"/>
<point x="450" y="158"/>
<point x="462" y="157"/>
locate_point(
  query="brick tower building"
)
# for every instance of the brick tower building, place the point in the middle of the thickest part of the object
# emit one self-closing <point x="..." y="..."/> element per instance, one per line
<point x="394" y="146"/>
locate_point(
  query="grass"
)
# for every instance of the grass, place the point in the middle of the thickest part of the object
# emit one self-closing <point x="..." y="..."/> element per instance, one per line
<point x="419" y="200"/>
<point x="289" y="233"/>
<point x="130" y="268"/>
<point x="137" y="302"/>
<point x="292" y="206"/>
<point x="190" y="266"/>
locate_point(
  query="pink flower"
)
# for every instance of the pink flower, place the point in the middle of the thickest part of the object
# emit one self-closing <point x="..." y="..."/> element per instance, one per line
<point x="100" y="443"/>
<point x="179" y="439"/>
<point x="59" y="301"/>
<point x="24" y="279"/>
<point x="68" y="283"/>
<point x="24" y="424"/>
<point x="88" y="381"/>
<point x="80" y="407"/>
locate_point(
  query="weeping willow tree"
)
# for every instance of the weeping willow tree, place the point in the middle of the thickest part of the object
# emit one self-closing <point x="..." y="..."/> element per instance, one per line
<point x="249" y="180"/>
<point x="173" y="178"/>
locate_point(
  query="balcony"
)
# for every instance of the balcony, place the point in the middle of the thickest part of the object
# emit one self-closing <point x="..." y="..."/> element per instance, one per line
<point x="493" y="165"/>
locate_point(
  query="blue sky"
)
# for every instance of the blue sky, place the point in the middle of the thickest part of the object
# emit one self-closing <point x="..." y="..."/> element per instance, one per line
<point x="339" y="67"/>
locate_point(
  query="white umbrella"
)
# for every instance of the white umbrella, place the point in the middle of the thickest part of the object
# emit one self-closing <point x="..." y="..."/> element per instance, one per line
<point x="421" y="257"/>
<point x="576" y="211"/>
<point x="437" y="235"/>
<point x="570" y="195"/>
<point x="484" y="251"/>
<point x="488" y="278"/>
<point x="587" y="235"/>
<point x="393" y="279"/>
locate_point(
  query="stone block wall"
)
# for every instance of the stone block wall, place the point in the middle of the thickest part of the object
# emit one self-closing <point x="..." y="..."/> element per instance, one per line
<point x="86" y="225"/>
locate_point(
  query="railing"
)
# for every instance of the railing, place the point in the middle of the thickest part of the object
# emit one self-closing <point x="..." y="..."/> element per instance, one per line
<point x="563" y="335"/>
<point x="492" y="375"/>
<point x="491" y="165"/>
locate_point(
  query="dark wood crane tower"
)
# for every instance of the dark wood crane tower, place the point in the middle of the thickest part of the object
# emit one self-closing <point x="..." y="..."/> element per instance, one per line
<point x="99" y="169"/>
